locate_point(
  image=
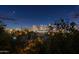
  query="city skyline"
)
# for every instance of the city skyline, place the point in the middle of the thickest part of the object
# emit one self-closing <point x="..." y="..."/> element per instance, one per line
<point x="28" y="15"/>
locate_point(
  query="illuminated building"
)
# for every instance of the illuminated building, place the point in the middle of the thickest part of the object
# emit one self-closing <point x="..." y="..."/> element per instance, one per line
<point x="40" y="29"/>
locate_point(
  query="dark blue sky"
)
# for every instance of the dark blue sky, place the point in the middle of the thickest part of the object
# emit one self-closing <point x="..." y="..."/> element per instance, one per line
<point x="28" y="15"/>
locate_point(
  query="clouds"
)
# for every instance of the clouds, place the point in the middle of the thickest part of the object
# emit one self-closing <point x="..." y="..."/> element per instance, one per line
<point x="74" y="14"/>
<point x="6" y="18"/>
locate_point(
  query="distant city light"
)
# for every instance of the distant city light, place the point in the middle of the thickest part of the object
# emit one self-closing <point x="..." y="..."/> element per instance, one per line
<point x="14" y="38"/>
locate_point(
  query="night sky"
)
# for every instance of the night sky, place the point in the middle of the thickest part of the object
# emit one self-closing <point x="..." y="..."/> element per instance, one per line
<point x="28" y="15"/>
